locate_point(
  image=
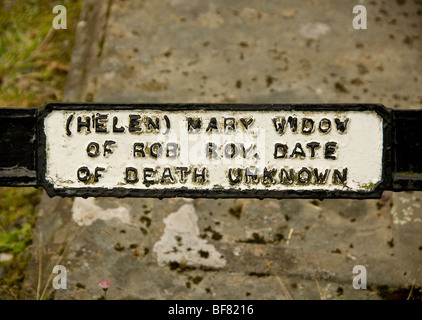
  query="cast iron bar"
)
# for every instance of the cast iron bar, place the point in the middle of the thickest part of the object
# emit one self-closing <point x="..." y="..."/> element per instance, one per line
<point x="19" y="159"/>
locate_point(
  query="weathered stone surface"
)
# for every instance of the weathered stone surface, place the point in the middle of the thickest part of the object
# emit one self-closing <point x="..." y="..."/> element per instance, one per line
<point x="250" y="52"/>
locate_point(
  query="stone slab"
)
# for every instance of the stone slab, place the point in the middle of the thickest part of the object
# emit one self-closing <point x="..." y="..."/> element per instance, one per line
<point x="242" y="52"/>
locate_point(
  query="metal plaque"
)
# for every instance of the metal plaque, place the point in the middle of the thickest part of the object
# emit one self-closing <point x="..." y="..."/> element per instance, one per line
<point x="216" y="151"/>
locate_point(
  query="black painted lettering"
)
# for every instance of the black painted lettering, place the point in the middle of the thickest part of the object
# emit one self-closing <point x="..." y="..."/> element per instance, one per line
<point x="138" y="148"/>
<point x="172" y="150"/>
<point x="293" y="123"/>
<point x="83" y="174"/>
<point x="167" y="176"/>
<point x="93" y="149"/>
<point x="338" y="177"/>
<point x="86" y="124"/>
<point x="155" y="150"/>
<point x="212" y="125"/>
<point x="286" y="177"/>
<point x="148" y="176"/>
<point x="251" y="175"/>
<point x="321" y="178"/>
<point x="229" y="123"/>
<point x="115" y="128"/>
<point x="246" y="123"/>
<point x="167" y="124"/>
<point x="68" y="122"/>
<point x="329" y="150"/>
<point x="134" y="124"/>
<point x="194" y="124"/>
<point x="100" y="123"/>
<point x="201" y="175"/>
<point x="245" y="151"/>
<point x="108" y="143"/>
<point x="324" y="125"/>
<point x="280" y="150"/>
<point x="183" y="172"/>
<point x="268" y="175"/>
<point x="235" y="180"/>
<point x="341" y="125"/>
<point x="97" y="174"/>
<point x="298" y="151"/>
<point x="307" y="125"/>
<point x="313" y="146"/>
<point x="131" y="175"/>
<point x="280" y="126"/>
<point x="230" y="150"/>
<point x="151" y="123"/>
<point x="210" y="151"/>
<point x="304" y="176"/>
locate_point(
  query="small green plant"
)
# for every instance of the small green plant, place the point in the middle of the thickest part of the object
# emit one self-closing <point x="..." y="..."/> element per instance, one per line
<point x="17" y="218"/>
<point x="17" y="240"/>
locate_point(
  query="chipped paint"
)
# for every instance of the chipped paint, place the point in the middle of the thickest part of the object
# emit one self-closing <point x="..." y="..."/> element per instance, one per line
<point x="181" y="243"/>
<point x="86" y="211"/>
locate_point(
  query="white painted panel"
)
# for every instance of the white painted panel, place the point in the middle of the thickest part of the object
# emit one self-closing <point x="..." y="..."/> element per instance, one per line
<point x="358" y="150"/>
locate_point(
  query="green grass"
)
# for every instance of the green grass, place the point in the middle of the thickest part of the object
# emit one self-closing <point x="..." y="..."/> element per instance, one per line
<point x="34" y="60"/>
<point x="33" y="55"/>
<point x="16" y="208"/>
<point x="17" y="220"/>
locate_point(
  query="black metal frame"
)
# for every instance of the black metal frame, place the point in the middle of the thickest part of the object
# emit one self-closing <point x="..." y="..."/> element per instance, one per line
<point x="22" y="132"/>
